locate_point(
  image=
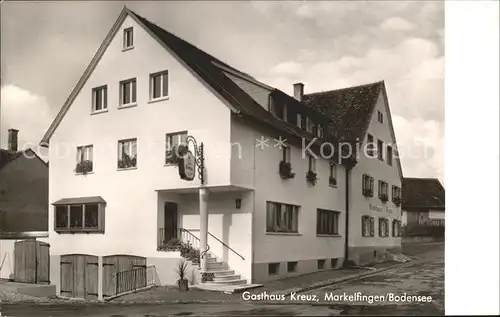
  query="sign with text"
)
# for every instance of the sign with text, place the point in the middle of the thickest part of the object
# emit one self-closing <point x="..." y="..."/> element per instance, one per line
<point x="380" y="208"/>
<point x="187" y="166"/>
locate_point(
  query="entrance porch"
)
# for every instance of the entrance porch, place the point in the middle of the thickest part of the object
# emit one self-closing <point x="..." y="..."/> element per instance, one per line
<point x="228" y="235"/>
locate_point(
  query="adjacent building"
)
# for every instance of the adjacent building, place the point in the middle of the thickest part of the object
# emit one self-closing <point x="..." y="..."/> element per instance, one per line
<point x="281" y="200"/>
<point x="423" y="202"/>
<point x="24" y="187"/>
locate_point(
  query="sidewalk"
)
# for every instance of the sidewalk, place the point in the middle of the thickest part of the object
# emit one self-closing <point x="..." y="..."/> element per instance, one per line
<point x="164" y="294"/>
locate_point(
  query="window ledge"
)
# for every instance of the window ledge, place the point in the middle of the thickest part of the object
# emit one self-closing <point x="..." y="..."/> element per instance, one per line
<point x="127" y="48"/>
<point x="129" y="105"/>
<point x="77" y="231"/>
<point x="159" y="99"/>
<point x="83" y="174"/>
<point x="170" y="164"/>
<point x="333" y="186"/>
<point x="127" y="168"/>
<point x="98" y="112"/>
<point x="283" y="234"/>
<point x="328" y="236"/>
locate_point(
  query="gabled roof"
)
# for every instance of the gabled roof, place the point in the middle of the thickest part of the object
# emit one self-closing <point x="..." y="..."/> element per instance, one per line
<point x="423" y="192"/>
<point x="350" y="109"/>
<point x="204" y="66"/>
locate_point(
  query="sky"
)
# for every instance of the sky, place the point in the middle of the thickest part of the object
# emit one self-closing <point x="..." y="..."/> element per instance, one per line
<point x="46" y="46"/>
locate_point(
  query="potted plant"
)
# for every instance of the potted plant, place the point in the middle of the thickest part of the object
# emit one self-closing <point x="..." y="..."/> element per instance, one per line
<point x="285" y="170"/>
<point x="384" y="198"/>
<point x="182" y="271"/>
<point x="311" y="177"/>
<point x="397" y="201"/>
<point x="127" y="161"/>
<point x="333" y="181"/>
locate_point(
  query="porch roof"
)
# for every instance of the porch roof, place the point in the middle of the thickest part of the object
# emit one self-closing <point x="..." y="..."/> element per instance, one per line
<point x="80" y="200"/>
<point x="192" y="190"/>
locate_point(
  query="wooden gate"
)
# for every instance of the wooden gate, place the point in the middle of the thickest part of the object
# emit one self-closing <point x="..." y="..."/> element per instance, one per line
<point x="31" y="262"/>
<point x="113" y="264"/>
<point x="79" y="276"/>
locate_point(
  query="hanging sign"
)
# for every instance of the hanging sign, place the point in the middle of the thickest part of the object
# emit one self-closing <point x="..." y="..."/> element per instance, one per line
<point x="187" y="166"/>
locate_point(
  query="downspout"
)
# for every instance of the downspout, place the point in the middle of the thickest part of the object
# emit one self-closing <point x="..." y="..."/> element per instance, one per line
<point x="346" y="241"/>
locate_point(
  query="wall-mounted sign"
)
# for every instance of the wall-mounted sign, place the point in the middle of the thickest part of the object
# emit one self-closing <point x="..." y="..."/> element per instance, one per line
<point x="379" y="208"/>
<point x="187" y="166"/>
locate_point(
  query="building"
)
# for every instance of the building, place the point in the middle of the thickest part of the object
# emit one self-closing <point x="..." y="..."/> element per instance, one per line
<point x="24" y="188"/>
<point x="423" y="202"/>
<point x="265" y="211"/>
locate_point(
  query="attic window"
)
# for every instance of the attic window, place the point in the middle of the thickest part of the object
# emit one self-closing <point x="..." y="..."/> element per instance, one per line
<point x="277" y="109"/>
<point x="380" y="117"/>
<point x="128" y="38"/>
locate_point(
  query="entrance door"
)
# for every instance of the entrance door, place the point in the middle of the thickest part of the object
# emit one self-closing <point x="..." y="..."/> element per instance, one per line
<point x="170" y="222"/>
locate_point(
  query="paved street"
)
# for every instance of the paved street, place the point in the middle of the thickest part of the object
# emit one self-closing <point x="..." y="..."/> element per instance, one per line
<point x="416" y="279"/>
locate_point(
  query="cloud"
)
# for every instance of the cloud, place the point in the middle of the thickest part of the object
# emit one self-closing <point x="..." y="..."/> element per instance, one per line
<point x="25" y="111"/>
<point x="287" y="68"/>
<point x="397" y="24"/>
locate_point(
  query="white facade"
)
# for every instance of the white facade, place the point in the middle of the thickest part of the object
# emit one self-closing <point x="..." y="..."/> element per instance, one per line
<point x="361" y="247"/>
<point x="236" y="170"/>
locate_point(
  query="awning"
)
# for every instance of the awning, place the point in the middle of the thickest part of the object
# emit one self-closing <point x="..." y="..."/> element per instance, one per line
<point x="80" y="200"/>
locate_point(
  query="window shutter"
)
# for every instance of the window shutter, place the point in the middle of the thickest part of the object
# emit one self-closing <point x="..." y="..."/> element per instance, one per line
<point x="372" y="227"/>
<point x="363" y="220"/>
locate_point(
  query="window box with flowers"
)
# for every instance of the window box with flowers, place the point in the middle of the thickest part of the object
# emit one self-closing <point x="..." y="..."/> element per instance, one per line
<point x="397" y="201"/>
<point x="384" y="198"/>
<point x="312" y="177"/>
<point x="127" y="162"/>
<point x="84" y="167"/>
<point x="285" y="170"/>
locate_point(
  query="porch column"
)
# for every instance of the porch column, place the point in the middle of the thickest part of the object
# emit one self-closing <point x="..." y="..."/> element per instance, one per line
<point x="203" y="227"/>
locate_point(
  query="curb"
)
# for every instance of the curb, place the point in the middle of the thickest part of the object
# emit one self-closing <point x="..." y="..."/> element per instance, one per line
<point x="346" y="278"/>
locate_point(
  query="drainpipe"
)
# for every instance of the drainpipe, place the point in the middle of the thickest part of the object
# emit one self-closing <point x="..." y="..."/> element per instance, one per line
<point x="346" y="242"/>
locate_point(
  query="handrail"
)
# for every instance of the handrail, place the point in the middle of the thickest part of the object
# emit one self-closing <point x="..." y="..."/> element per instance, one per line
<point x="226" y="246"/>
<point x="190" y="233"/>
<point x="208" y="247"/>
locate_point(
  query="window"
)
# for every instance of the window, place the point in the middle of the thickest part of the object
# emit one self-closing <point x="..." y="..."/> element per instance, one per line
<point x="99" y="99"/>
<point x="127" y="153"/>
<point x="158" y="85"/>
<point x="333" y="175"/>
<point x="380" y="117"/>
<point x="321" y="264"/>
<point x="173" y="139"/>
<point x="292" y="267"/>
<point x="383" y="227"/>
<point x="87" y="217"/>
<point x="312" y="164"/>
<point x="396" y="193"/>
<point x="128" y="92"/>
<point x="84" y="162"/>
<point x="367" y="226"/>
<point x="383" y="189"/>
<point x="321" y="131"/>
<point x="303" y="122"/>
<point x="333" y="263"/>
<point x="309" y="125"/>
<point x="389" y="155"/>
<point x="277" y="108"/>
<point x="370" y="146"/>
<point x="327" y="222"/>
<point x="396" y="228"/>
<point x="285" y="154"/>
<point x="380" y="150"/>
<point x="367" y="185"/>
<point x="273" y="268"/>
<point x="128" y="38"/>
<point x="282" y="218"/>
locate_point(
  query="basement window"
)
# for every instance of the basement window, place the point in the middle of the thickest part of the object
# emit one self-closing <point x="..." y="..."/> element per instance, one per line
<point x="333" y="263"/>
<point x="292" y="267"/>
<point x="321" y="264"/>
<point x="273" y="268"/>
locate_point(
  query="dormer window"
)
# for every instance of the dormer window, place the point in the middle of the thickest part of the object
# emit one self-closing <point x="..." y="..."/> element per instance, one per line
<point x="301" y="121"/>
<point x="128" y="38"/>
<point x="321" y="132"/>
<point x="277" y="109"/>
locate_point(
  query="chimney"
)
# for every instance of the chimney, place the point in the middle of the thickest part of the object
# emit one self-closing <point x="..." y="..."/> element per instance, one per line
<point x="298" y="91"/>
<point x="12" y="145"/>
